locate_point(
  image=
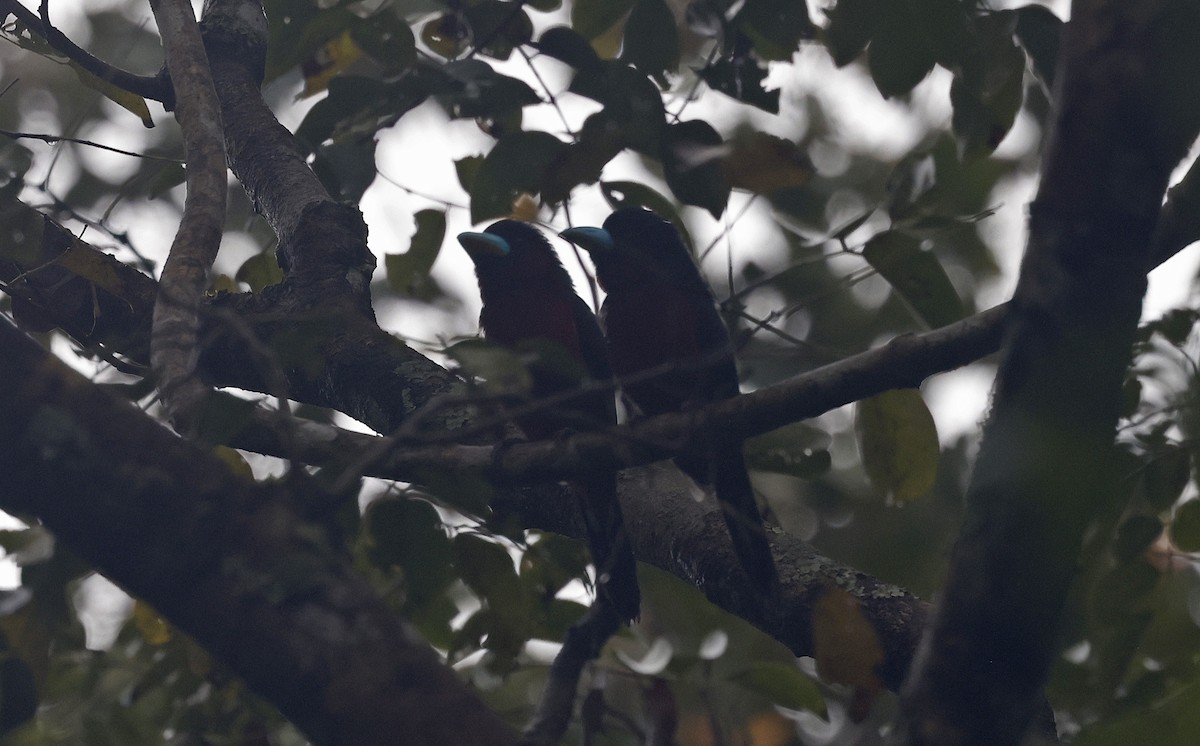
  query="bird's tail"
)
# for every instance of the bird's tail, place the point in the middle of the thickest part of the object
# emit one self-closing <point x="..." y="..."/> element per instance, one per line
<point x="735" y="494"/>
<point x="608" y="541"/>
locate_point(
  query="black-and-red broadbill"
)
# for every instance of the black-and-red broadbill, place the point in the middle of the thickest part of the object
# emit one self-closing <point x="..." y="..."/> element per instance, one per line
<point x="530" y="304"/>
<point x="660" y="315"/>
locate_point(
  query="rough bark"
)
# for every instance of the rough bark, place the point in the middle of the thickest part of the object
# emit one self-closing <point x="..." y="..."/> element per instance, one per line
<point x="225" y="559"/>
<point x="1127" y="109"/>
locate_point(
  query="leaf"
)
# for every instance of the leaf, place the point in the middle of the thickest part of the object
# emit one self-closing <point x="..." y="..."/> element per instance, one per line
<point x="1039" y="32"/>
<point x="1185" y="527"/>
<point x="591" y="18"/>
<point x="499" y="27"/>
<point x="901" y="53"/>
<point x="387" y="39"/>
<point x="743" y="80"/>
<point x="1135" y="535"/>
<point x="783" y="684"/>
<point x="260" y="271"/>
<point x="222" y="416"/>
<point x="1173" y="721"/>
<point x="447" y="35"/>
<point x="500" y="369"/>
<point x="153" y="628"/>
<point x="296" y="30"/>
<point x="516" y="164"/>
<point x="406" y="272"/>
<point x="15" y="160"/>
<point x="629" y="99"/>
<point x="988" y="88"/>
<point x="620" y="194"/>
<point x="347" y="167"/>
<point x="763" y="163"/>
<point x="850" y="28"/>
<point x="847" y="648"/>
<point x="898" y="441"/>
<point x="131" y="102"/>
<point x="798" y="450"/>
<point x="916" y="276"/>
<point x="600" y="140"/>
<point x="331" y="58"/>
<point x="1165" y="476"/>
<point x="466" y="169"/>
<point x="408" y="534"/>
<point x="483" y="92"/>
<point x="774" y="27"/>
<point x="18" y="694"/>
<point x="652" y="40"/>
<point x="692" y="157"/>
<point x="566" y="45"/>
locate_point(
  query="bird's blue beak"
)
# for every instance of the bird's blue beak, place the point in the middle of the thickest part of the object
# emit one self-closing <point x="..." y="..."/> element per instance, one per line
<point x="591" y="240"/>
<point x="483" y="244"/>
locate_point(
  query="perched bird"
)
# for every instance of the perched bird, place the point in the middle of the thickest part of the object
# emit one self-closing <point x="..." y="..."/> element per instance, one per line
<point x="529" y="303"/>
<point x="660" y="315"/>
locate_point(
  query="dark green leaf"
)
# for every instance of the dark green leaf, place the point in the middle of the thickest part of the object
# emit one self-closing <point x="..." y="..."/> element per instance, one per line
<point x="484" y="92"/>
<point x="988" y="88"/>
<point x="916" y="276"/>
<point x="517" y="164"/>
<point x="259" y="271"/>
<point x="652" y="40"/>
<point x="1185" y="527"/>
<point x="406" y="272"/>
<point x="388" y="39"/>
<point x="901" y="52"/>
<point x="783" y="684"/>
<point x="600" y="140"/>
<point x="1165" y="476"/>
<point x="1039" y="32"/>
<point x="629" y="98"/>
<point x="566" y="45"/>
<point x="774" y="27"/>
<point x="620" y="194"/>
<point x="296" y="30"/>
<point x="798" y="450"/>
<point x="447" y="36"/>
<point x="408" y="534"/>
<point x="466" y="169"/>
<point x="499" y="367"/>
<point x="691" y="156"/>
<point x="591" y="18"/>
<point x="545" y="6"/>
<point x="222" y="416"/>
<point x="497" y="28"/>
<point x="851" y="26"/>
<point x="1135" y="535"/>
<point x="743" y="80"/>
<point x="358" y="107"/>
<point x="1124" y="591"/>
<point x="346" y="167"/>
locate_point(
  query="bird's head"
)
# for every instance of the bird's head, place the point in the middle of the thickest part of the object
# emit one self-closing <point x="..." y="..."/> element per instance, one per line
<point x="510" y="255"/>
<point x="635" y="248"/>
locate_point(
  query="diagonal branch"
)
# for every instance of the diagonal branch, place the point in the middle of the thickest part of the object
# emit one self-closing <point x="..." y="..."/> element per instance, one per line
<point x="174" y="343"/>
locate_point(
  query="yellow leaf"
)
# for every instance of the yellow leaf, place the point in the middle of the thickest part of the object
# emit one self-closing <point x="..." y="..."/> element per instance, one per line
<point x="898" y="441"/>
<point x="846" y="648"/>
<point x="154" y="629"/>
<point x="131" y="102"/>
<point x="234" y="460"/>
<point x="608" y="44"/>
<point x="764" y="163"/>
<point x="525" y="207"/>
<point x="331" y="58"/>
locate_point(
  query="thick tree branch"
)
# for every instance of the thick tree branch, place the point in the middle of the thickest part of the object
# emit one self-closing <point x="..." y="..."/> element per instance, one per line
<point x="174" y="346"/>
<point x="1127" y="109"/>
<point x="224" y="559"/>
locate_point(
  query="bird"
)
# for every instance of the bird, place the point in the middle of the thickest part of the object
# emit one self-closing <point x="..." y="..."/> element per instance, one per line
<point x="659" y="314"/>
<point x="530" y="304"/>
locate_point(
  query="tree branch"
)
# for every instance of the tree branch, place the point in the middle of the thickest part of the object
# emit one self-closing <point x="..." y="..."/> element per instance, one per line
<point x="225" y="559"/>
<point x="174" y="347"/>
<point x="1127" y="109"/>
